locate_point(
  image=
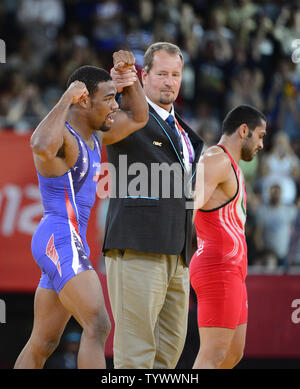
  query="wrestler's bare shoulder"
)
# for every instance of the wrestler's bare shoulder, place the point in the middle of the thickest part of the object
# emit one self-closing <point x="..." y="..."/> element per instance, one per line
<point x="216" y="156"/>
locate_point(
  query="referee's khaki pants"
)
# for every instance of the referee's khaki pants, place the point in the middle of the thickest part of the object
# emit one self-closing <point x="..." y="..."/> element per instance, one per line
<point x="149" y="296"/>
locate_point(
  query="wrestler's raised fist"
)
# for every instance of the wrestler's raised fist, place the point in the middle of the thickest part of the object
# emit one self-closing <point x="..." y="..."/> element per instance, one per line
<point x="123" y="60"/>
<point x="77" y="91"/>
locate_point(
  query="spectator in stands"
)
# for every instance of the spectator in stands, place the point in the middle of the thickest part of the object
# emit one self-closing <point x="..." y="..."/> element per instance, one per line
<point x="26" y="109"/>
<point x="41" y="20"/>
<point x="26" y="59"/>
<point x="206" y="124"/>
<point x="287" y="27"/>
<point x="294" y="251"/>
<point x="210" y="75"/>
<point x="218" y="32"/>
<point x="20" y="102"/>
<point x="246" y="89"/>
<point x="284" y="99"/>
<point x="108" y="29"/>
<point x="274" y="222"/>
<point x="280" y="166"/>
<point x="264" y="48"/>
<point x="80" y="54"/>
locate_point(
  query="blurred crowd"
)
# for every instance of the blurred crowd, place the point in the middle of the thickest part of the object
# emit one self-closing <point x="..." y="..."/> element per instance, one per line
<point x="235" y="52"/>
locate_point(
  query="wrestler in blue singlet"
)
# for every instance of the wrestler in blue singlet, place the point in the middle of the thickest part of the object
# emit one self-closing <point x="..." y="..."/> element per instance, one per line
<point x="59" y="243"/>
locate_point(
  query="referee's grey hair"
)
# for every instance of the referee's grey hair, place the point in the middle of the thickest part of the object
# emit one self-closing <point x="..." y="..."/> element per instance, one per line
<point x="170" y="48"/>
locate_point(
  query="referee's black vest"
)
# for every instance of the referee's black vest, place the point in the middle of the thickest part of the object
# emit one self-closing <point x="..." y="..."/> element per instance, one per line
<point x="149" y="196"/>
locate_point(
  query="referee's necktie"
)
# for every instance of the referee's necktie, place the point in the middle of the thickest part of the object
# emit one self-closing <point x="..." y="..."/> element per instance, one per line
<point x="171" y="122"/>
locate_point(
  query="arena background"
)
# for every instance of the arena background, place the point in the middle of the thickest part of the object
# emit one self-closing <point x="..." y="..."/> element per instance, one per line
<point x="235" y="52"/>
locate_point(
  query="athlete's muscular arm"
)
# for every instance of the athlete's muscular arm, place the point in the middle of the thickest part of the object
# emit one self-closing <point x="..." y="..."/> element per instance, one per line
<point x="51" y="138"/>
<point x="213" y="169"/>
<point x="49" y="135"/>
<point x="133" y="113"/>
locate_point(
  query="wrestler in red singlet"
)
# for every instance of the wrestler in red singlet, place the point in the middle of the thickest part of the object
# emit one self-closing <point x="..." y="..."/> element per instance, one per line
<point x="219" y="266"/>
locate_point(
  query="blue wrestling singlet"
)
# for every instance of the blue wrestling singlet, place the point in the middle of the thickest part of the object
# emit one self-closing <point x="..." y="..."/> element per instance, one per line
<point x="59" y="243"/>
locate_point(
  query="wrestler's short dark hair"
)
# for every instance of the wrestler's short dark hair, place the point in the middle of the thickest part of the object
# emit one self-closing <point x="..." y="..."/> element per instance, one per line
<point x="240" y="115"/>
<point x="91" y="76"/>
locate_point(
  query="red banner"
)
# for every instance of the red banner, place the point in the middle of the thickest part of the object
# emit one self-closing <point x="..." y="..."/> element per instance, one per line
<point x="274" y="316"/>
<point x="20" y="213"/>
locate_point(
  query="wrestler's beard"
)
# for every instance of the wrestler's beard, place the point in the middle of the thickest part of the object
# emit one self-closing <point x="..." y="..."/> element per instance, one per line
<point x="248" y="153"/>
<point x="103" y="128"/>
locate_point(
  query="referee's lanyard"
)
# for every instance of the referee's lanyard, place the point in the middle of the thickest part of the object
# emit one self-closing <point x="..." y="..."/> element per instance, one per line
<point x="186" y="140"/>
